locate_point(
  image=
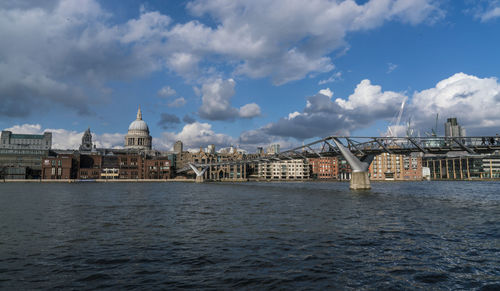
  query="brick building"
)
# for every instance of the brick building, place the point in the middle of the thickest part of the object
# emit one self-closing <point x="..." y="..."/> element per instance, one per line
<point x="59" y="167"/>
<point x="396" y="167"/>
<point x="324" y="167"/>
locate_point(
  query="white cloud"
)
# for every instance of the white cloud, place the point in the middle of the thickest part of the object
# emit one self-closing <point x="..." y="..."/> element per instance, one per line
<point x="474" y="101"/>
<point x="249" y="110"/>
<point x="391" y="67"/>
<point x="65" y="52"/>
<point x="149" y="25"/>
<point x="326" y="92"/>
<point x="293" y="115"/>
<point x="485" y="10"/>
<point x="179" y="102"/>
<point x="194" y="136"/>
<point x="166" y="92"/>
<point x="370" y="98"/>
<point x="286" y="40"/>
<point x="216" y="105"/>
<point x="337" y="76"/>
<point x="490" y="14"/>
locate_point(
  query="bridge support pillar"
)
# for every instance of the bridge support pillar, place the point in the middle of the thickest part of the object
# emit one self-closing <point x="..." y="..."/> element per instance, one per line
<point x="360" y="181"/>
<point x="199" y="179"/>
<point x="199" y="173"/>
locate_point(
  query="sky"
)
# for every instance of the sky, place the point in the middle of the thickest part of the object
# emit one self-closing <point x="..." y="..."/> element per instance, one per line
<point x="247" y="73"/>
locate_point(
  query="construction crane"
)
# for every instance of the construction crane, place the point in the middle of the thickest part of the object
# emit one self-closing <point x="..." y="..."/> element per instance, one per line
<point x="395" y="121"/>
<point x="434" y="130"/>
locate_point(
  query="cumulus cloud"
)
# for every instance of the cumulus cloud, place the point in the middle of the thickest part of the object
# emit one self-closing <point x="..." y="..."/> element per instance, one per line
<point x="166" y="92"/>
<point x="249" y="111"/>
<point x="286" y="40"/>
<point x="168" y="120"/>
<point x="65" y="52"/>
<point x="70" y="139"/>
<point x="474" y="101"/>
<point x="178" y="102"/>
<point x="323" y="115"/>
<point x="216" y="102"/>
<point x="194" y="136"/>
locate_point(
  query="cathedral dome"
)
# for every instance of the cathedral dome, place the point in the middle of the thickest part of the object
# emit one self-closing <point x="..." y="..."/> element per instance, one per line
<point x="138" y="134"/>
<point x="138" y="124"/>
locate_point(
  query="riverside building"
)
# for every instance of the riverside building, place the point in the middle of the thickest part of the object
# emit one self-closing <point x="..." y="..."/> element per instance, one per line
<point x="21" y="154"/>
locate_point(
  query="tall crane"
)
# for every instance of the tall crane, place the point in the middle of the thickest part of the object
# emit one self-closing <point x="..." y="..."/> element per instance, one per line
<point x="395" y="121"/>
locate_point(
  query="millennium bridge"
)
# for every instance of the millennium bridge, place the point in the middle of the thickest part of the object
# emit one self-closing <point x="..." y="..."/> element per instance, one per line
<point x="360" y="151"/>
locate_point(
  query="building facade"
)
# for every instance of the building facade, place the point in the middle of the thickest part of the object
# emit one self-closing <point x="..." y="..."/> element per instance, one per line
<point x="296" y="169"/>
<point x="324" y="167"/>
<point x="12" y="141"/>
<point x="464" y="167"/>
<point x="396" y="167"/>
<point x="21" y="154"/>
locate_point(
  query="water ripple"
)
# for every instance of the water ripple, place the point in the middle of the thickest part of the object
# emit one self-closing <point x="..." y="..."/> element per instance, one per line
<point x="398" y="236"/>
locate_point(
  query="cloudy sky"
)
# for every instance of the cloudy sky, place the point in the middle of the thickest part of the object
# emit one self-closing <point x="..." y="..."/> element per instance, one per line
<point x="247" y="72"/>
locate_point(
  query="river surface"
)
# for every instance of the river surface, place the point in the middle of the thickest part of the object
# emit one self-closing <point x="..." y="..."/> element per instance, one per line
<point x="398" y="236"/>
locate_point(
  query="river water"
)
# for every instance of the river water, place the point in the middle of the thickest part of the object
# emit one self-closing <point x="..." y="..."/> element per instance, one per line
<point x="422" y="235"/>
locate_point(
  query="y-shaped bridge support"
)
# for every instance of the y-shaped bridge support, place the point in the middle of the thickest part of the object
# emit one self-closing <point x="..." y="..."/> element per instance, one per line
<point x="359" y="178"/>
<point x="199" y="174"/>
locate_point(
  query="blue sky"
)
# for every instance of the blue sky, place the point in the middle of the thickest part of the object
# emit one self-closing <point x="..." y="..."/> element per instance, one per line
<point x="247" y="73"/>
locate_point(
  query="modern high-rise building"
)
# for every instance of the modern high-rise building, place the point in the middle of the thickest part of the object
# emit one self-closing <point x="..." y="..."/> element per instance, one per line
<point x="453" y="129"/>
<point x="273" y="149"/>
<point x="178" y="147"/>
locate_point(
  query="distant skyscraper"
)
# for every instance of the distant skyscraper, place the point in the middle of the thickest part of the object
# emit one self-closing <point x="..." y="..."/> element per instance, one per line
<point x="453" y="129"/>
<point x="178" y="147"/>
<point x="274" y="149"/>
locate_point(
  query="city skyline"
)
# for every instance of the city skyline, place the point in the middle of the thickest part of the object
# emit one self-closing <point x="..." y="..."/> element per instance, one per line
<point x="245" y="73"/>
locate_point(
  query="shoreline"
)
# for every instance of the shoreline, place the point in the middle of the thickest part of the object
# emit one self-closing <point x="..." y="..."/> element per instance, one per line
<point x="225" y="181"/>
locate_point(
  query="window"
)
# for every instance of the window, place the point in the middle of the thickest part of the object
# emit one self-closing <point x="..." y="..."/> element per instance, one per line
<point x="59" y="171"/>
<point x="53" y="171"/>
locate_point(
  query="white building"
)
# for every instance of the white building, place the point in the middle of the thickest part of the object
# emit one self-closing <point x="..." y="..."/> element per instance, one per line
<point x="296" y="169"/>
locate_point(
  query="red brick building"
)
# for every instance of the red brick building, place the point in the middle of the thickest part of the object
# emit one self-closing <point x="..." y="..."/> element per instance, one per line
<point x="324" y="167"/>
<point x="157" y="168"/>
<point x="89" y="167"/>
<point x="60" y="167"/>
<point x="131" y="166"/>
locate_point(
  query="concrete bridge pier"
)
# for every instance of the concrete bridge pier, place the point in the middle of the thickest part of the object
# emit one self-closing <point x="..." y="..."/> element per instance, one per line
<point x="199" y="173"/>
<point x="360" y="179"/>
